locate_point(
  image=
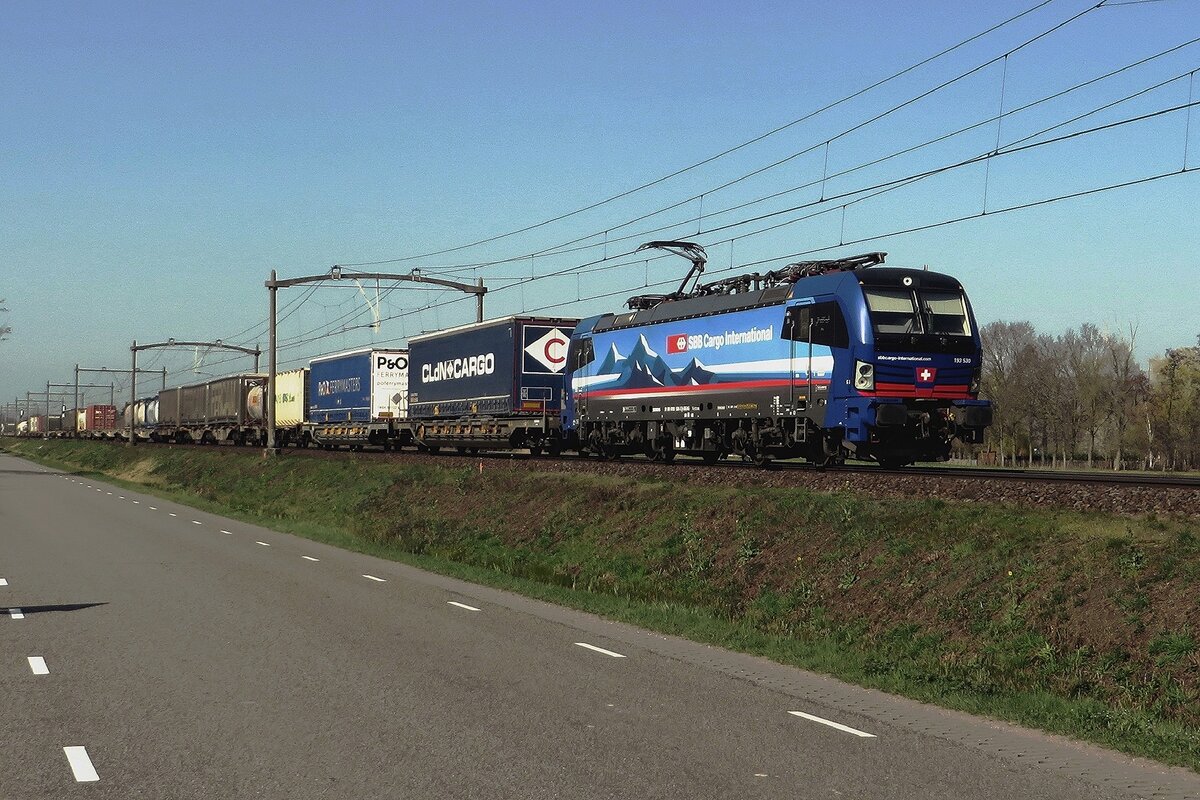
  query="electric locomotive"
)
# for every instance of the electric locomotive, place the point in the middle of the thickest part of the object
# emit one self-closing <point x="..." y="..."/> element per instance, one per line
<point x="823" y="360"/>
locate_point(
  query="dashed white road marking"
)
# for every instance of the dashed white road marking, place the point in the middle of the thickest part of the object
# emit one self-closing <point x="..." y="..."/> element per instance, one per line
<point x="172" y="513"/>
<point x="310" y="558"/>
<point x="599" y="649"/>
<point x="120" y="497"/>
<point x="373" y="578"/>
<point x="195" y="522"/>
<point x="152" y="508"/>
<point x="837" y="725"/>
<point x="3" y="581"/>
<point x="462" y="605"/>
<point x="227" y="532"/>
<point x="109" y="493"/>
<point x="81" y="765"/>
<point x="38" y="665"/>
<point x="137" y="502"/>
<point x="264" y="544"/>
<point x="15" y="613"/>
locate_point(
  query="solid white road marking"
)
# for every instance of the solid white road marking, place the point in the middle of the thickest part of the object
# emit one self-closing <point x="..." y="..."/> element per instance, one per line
<point x="310" y="558"/>
<point x="373" y="578"/>
<point x="38" y="665"/>
<point x="599" y="649"/>
<point x="462" y="605"/>
<point x="839" y="726"/>
<point x="81" y="765"/>
<point x="227" y="532"/>
<point x="15" y="613"/>
<point x="195" y="522"/>
<point x="264" y="544"/>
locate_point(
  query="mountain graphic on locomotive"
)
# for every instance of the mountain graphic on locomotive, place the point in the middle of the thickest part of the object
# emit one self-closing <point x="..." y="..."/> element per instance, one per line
<point x="822" y="360"/>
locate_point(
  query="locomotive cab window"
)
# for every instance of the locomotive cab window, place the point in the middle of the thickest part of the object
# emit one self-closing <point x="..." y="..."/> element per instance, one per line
<point x="892" y="310"/>
<point x="945" y="313"/>
<point x="824" y="321"/>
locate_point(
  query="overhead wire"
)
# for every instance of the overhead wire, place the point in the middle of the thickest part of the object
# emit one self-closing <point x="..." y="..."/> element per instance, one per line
<point x="728" y="151"/>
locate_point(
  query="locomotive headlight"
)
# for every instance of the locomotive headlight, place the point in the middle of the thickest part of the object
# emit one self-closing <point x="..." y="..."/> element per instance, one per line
<point x="864" y="376"/>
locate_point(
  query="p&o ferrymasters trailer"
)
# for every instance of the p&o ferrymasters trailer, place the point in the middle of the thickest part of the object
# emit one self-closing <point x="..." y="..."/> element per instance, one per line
<point x="358" y="398"/>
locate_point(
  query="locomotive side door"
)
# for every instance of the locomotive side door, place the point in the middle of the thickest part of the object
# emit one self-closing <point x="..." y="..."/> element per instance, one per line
<point x="797" y="328"/>
<point x="582" y="364"/>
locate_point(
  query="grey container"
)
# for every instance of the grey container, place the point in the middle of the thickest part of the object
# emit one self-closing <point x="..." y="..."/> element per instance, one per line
<point x="218" y="402"/>
<point x="168" y="407"/>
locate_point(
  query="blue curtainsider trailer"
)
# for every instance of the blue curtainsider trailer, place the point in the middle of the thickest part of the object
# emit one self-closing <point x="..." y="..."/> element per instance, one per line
<point x="491" y="384"/>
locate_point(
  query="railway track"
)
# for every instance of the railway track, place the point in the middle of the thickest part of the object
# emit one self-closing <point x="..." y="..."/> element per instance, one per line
<point x="954" y="472"/>
<point x="1114" y="493"/>
<point x="1093" y="477"/>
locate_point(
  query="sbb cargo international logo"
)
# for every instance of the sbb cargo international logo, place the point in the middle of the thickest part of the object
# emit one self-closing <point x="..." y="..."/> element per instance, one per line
<point x="677" y="344"/>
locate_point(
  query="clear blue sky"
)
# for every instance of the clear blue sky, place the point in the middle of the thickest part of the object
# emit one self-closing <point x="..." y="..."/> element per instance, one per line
<point x="158" y="159"/>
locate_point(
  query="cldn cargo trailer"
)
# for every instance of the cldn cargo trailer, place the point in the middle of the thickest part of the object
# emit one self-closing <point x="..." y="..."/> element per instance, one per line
<point x="490" y="385"/>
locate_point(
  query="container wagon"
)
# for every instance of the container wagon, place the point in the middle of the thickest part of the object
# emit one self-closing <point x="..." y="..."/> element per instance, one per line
<point x="221" y="410"/>
<point x="291" y="406"/>
<point x="496" y="384"/>
<point x="358" y="398"/>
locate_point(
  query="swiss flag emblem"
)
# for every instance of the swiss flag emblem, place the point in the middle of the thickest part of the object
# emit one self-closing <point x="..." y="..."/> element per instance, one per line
<point x="926" y="374"/>
<point x="677" y="343"/>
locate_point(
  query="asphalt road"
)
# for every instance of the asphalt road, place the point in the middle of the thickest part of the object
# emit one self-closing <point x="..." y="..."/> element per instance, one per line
<point x="151" y="651"/>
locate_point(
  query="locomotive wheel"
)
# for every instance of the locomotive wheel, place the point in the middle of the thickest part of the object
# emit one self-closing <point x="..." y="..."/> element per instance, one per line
<point x="758" y="455"/>
<point x="661" y="448"/>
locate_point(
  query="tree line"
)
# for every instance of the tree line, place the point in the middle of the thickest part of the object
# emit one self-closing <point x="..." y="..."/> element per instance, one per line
<point x="1082" y="399"/>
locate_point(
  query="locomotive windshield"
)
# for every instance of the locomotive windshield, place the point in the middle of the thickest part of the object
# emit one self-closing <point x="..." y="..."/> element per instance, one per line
<point x="892" y="311"/>
<point x="944" y="313"/>
<point x="901" y="311"/>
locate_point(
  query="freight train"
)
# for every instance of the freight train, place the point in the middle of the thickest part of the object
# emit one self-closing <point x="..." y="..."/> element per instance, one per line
<point x="821" y="360"/>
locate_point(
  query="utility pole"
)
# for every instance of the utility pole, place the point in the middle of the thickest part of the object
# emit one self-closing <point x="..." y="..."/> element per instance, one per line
<point x="272" y="366"/>
<point x="133" y="370"/>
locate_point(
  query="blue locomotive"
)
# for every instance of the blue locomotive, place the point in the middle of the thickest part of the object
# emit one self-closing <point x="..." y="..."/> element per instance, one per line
<point x="824" y="360"/>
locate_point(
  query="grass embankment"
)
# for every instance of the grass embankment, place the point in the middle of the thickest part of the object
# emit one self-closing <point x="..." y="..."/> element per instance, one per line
<point x="1079" y="624"/>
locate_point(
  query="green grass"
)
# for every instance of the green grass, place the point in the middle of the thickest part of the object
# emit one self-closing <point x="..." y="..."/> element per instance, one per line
<point x="1074" y="623"/>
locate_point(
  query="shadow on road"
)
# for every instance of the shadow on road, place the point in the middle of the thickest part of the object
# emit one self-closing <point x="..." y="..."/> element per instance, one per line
<point x="27" y="610"/>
